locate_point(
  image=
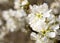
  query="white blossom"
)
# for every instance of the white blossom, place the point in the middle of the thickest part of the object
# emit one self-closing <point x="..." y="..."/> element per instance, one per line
<point x="19" y="3"/>
<point x="42" y="20"/>
<point x="39" y="13"/>
<point x="38" y="17"/>
<point x="14" y="19"/>
<point x="40" y="39"/>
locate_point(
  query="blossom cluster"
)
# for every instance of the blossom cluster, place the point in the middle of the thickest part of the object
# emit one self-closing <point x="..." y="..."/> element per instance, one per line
<point x="13" y="20"/>
<point x="44" y="22"/>
<point x="42" y="19"/>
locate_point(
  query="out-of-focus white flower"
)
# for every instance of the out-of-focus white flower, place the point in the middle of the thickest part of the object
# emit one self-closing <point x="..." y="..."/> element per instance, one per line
<point x="19" y="3"/>
<point x="16" y="4"/>
<point x="11" y="12"/>
<point x="11" y="25"/>
<point x="55" y="6"/>
<point x="5" y="15"/>
<point x="24" y="2"/>
<point x="20" y="13"/>
<point x="15" y="19"/>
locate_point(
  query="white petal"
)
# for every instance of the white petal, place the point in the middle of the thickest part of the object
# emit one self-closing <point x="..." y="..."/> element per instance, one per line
<point x="45" y="39"/>
<point x="33" y="36"/>
<point x="52" y="34"/>
<point x="20" y="13"/>
<point x="38" y="41"/>
<point x="5" y="15"/>
<point x="47" y="13"/>
<point x="55" y="27"/>
<point x="12" y="12"/>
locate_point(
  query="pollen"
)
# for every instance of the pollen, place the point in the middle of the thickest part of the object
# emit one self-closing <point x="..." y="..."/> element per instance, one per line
<point x="39" y="15"/>
<point x="45" y="31"/>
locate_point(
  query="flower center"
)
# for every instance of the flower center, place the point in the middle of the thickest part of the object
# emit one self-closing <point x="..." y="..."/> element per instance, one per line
<point x="39" y="15"/>
<point x="45" y="31"/>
